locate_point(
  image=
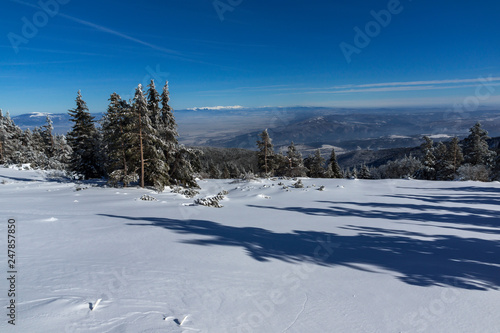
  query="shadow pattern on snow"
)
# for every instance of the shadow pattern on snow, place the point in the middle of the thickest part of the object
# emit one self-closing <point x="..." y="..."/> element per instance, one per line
<point x="437" y="260"/>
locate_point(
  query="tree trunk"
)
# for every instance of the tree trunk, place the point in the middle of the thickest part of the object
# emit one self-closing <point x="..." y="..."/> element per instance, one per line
<point x="265" y="156"/>
<point x="142" y="151"/>
<point x="125" y="170"/>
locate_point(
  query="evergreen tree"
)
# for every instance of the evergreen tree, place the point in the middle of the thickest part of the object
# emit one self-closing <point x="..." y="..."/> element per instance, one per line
<point x="186" y="163"/>
<point x="444" y="170"/>
<point x="154" y="169"/>
<point x="154" y="105"/>
<point x="225" y="173"/>
<point x="333" y="169"/>
<point x="118" y="136"/>
<point x="365" y="172"/>
<point x="455" y="155"/>
<point x="428" y="170"/>
<point x="48" y="137"/>
<point x="10" y="139"/>
<point x="476" y="150"/>
<point x="265" y="155"/>
<point x="282" y="164"/>
<point x="168" y="126"/>
<point x="83" y="142"/>
<point x="296" y="166"/>
<point x="316" y="165"/>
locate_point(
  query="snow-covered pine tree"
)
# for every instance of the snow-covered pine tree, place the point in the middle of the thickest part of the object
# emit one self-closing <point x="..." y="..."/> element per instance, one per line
<point x="296" y="166"/>
<point x="225" y="172"/>
<point x="428" y="170"/>
<point x="181" y="161"/>
<point x="496" y="168"/>
<point x="282" y="164"/>
<point x="83" y="140"/>
<point x="118" y="134"/>
<point x="186" y="163"/>
<point x="443" y="167"/>
<point x="266" y="154"/>
<point x="154" y="105"/>
<point x="168" y="126"/>
<point x="365" y="172"/>
<point x="10" y="140"/>
<point x="154" y="169"/>
<point x="316" y="165"/>
<point x="48" y="137"/>
<point x="333" y="170"/>
<point x="476" y="150"/>
<point x="455" y="155"/>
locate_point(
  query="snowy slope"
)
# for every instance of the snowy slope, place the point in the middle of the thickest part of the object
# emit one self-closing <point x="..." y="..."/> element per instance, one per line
<point x="361" y="256"/>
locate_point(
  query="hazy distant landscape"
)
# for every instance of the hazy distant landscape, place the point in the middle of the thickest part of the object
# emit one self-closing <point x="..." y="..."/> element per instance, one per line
<point x="310" y="128"/>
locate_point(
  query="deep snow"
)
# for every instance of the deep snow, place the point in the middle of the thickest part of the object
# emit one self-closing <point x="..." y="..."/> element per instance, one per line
<point x="360" y="256"/>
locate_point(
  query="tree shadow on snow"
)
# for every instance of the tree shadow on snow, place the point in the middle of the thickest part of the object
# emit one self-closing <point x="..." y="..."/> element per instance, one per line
<point x="443" y="260"/>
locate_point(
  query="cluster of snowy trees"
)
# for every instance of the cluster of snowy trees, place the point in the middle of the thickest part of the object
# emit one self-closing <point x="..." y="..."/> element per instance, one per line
<point x="471" y="159"/>
<point x="292" y="164"/>
<point x="135" y="142"/>
<point x="40" y="148"/>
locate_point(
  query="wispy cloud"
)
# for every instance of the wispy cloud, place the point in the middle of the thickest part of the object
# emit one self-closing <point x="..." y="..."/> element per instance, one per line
<point x="233" y="107"/>
<point x="406" y="86"/>
<point x="106" y="30"/>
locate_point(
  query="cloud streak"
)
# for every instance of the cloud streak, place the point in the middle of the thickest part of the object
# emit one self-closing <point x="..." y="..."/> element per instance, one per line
<point x="406" y="86"/>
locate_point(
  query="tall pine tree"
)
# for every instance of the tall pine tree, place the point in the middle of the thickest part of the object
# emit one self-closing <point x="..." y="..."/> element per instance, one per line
<point x="476" y="150"/>
<point x="83" y="140"/>
<point x="296" y="162"/>
<point x="333" y="170"/>
<point x="266" y="153"/>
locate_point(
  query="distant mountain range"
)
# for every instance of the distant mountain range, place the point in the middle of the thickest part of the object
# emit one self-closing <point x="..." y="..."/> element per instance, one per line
<point x="309" y="127"/>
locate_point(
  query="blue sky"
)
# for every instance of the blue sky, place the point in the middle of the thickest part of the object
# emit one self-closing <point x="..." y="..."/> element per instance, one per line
<point x="250" y="52"/>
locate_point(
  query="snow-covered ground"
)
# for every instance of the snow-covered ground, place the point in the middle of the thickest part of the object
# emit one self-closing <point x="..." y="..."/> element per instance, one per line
<point x="360" y="256"/>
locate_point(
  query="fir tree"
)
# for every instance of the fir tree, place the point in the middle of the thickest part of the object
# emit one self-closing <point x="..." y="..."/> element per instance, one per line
<point x="83" y="142"/>
<point x="476" y="150"/>
<point x="48" y="137"/>
<point x="444" y="170"/>
<point x="296" y="166"/>
<point x="333" y="169"/>
<point x="154" y="170"/>
<point x="117" y="129"/>
<point x="365" y="172"/>
<point x="10" y="139"/>
<point x="186" y="163"/>
<point x="154" y="105"/>
<point x="225" y="173"/>
<point x="168" y="126"/>
<point x="316" y="165"/>
<point x="428" y="170"/>
<point x="266" y="153"/>
<point x="455" y="155"/>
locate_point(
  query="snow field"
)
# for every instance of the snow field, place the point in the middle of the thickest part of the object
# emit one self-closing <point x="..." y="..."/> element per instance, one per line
<point x="360" y="256"/>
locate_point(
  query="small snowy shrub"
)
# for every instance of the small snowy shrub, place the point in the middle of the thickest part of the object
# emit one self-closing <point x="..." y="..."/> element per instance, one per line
<point x="146" y="197"/>
<point x="187" y="192"/>
<point x="298" y="184"/>
<point x="473" y="172"/>
<point x="212" y="201"/>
